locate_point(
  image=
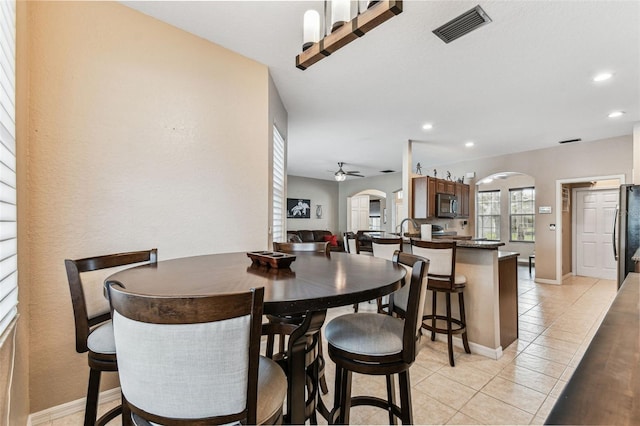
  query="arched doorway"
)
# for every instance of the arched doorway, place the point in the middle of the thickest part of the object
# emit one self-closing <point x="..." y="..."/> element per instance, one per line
<point x="366" y="210"/>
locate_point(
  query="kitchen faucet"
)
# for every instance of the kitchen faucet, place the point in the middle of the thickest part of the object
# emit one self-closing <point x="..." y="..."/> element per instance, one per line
<point x="416" y="225"/>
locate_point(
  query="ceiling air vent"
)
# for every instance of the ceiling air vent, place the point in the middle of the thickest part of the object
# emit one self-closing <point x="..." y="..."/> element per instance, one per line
<point x="463" y="24"/>
<point x="571" y="140"/>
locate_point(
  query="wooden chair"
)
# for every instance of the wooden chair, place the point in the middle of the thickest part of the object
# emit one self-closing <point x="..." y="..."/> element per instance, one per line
<point x="351" y="246"/>
<point x="283" y="326"/>
<point x="310" y="247"/>
<point x="385" y="248"/>
<point x="351" y="243"/>
<point x="195" y="360"/>
<point x="379" y="344"/>
<point x="93" y="327"/>
<point x="443" y="279"/>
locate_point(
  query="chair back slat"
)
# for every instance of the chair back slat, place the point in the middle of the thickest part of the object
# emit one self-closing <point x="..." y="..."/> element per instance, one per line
<point x="384" y="248"/>
<point x="418" y="267"/>
<point x="442" y="268"/>
<point x="351" y="243"/>
<point x="308" y="247"/>
<point x="190" y="358"/>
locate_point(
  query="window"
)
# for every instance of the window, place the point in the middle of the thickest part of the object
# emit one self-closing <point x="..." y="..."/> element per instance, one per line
<point x="277" y="227"/>
<point x="488" y="215"/>
<point x="522" y="209"/>
<point x="8" y="213"/>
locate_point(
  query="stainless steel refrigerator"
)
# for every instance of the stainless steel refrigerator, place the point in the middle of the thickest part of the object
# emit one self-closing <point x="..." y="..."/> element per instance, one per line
<point x="626" y="235"/>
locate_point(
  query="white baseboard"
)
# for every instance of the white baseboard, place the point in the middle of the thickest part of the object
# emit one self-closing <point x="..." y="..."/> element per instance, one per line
<point x="544" y="281"/>
<point x="69" y="408"/>
<point x="475" y="347"/>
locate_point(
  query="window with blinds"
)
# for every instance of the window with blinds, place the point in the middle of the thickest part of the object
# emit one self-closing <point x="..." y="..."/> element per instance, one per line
<point x="8" y="213"/>
<point x="522" y="214"/>
<point x="488" y="215"/>
<point x="277" y="227"/>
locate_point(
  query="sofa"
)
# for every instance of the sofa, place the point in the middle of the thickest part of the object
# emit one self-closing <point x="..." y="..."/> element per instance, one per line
<point x="309" y="236"/>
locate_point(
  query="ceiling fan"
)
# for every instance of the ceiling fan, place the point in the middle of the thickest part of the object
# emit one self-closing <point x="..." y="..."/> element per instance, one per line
<point x="341" y="175"/>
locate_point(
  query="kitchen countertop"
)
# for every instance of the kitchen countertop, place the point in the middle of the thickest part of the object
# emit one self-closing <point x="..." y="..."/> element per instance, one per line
<point x="476" y="244"/>
<point x="504" y="255"/>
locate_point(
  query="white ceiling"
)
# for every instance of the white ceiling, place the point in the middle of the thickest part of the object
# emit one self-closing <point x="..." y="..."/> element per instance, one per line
<point x="522" y="82"/>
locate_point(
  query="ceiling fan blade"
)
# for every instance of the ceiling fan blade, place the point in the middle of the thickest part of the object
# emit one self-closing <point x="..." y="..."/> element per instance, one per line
<point x="352" y="171"/>
<point x="353" y="174"/>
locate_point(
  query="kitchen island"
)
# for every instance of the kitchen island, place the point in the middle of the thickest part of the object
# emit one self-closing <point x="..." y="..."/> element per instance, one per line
<point x="491" y="295"/>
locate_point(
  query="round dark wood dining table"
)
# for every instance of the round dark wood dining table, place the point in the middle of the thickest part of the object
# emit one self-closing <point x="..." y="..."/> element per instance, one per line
<point x="311" y="285"/>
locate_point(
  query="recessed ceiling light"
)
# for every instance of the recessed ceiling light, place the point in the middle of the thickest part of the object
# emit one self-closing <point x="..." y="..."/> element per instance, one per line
<point x="602" y="76"/>
<point x="616" y="114"/>
<point x="427" y="126"/>
<point x="469" y="144"/>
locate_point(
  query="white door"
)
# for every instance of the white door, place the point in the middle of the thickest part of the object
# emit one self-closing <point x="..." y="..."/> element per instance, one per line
<point x="359" y="213"/>
<point x="595" y="212"/>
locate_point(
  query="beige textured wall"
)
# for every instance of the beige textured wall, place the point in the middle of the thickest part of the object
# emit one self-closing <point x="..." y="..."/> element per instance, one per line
<point x="140" y="136"/>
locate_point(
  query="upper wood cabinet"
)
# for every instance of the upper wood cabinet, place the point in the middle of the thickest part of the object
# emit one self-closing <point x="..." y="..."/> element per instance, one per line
<point x="424" y="192"/>
<point x="462" y="192"/>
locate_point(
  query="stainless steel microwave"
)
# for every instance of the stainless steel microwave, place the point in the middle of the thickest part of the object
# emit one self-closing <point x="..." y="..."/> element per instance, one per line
<point x="446" y="205"/>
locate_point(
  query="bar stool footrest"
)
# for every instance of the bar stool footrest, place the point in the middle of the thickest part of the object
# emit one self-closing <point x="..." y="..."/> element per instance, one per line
<point x="109" y="415"/>
<point x="458" y="329"/>
<point x="375" y="402"/>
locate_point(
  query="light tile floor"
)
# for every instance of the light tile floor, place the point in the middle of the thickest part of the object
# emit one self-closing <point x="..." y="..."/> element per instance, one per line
<point x="556" y="325"/>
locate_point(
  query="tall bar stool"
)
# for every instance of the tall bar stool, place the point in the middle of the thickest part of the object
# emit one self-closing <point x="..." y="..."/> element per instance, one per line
<point x="195" y="360"/>
<point x="286" y="326"/>
<point x="378" y="344"/>
<point x="443" y="279"/>
<point x="351" y="243"/>
<point x="385" y="248"/>
<point x="351" y="246"/>
<point x="93" y="326"/>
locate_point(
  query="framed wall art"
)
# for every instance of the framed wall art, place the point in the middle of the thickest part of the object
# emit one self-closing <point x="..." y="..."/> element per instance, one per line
<point x="298" y="208"/>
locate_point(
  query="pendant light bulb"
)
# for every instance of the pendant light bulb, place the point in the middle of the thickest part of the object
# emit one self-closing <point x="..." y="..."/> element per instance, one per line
<point x="340" y="13"/>
<point x="311" y="28"/>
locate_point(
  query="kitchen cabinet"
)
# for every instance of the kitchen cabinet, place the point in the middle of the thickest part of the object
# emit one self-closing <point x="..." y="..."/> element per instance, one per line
<point x="424" y="190"/>
<point x="462" y="192"/>
<point x="444" y="186"/>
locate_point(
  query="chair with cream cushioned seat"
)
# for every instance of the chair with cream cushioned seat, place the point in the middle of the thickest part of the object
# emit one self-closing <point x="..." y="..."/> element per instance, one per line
<point x="195" y="360"/>
<point x="93" y="327"/>
<point x="442" y="278"/>
<point x="283" y="326"/>
<point x="379" y="344"/>
<point x="351" y="243"/>
<point x="351" y="246"/>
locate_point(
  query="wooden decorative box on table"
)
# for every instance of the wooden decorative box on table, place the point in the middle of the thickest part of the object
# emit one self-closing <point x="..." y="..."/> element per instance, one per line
<point x="272" y="259"/>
